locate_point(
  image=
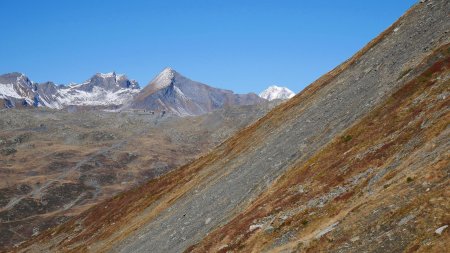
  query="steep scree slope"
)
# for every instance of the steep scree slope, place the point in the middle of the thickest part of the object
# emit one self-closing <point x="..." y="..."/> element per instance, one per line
<point x="177" y="211"/>
<point x="381" y="185"/>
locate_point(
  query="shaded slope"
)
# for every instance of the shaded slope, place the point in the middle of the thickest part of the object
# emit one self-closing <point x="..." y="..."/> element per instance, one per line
<point x="179" y="209"/>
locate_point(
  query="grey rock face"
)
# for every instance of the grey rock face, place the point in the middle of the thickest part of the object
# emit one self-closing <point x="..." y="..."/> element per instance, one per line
<point x="170" y="91"/>
<point x="47" y="92"/>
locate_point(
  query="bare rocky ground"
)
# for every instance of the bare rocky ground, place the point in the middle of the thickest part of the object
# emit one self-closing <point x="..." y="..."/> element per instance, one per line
<point x="55" y="164"/>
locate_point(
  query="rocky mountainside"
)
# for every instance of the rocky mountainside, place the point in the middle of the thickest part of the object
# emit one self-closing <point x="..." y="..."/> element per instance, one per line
<point x="172" y="92"/>
<point x="358" y="161"/>
<point x="276" y="92"/>
<point x="107" y="90"/>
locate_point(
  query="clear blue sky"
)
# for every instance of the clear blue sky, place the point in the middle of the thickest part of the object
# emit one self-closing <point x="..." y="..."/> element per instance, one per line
<point x="240" y="45"/>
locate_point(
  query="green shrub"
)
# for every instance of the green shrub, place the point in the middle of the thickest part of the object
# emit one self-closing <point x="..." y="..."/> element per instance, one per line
<point x="346" y="138"/>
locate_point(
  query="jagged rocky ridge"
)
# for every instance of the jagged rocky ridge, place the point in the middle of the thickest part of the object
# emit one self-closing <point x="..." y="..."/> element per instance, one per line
<point x="169" y="92"/>
<point x="109" y="89"/>
<point x="358" y="161"/>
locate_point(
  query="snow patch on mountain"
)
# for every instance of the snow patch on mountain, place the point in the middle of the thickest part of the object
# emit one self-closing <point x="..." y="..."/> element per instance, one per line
<point x="7" y="90"/>
<point x="164" y="79"/>
<point x="98" y="96"/>
<point x="76" y="94"/>
<point x="276" y="92"/>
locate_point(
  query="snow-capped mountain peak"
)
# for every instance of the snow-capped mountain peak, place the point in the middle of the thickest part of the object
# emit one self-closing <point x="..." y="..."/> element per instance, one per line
<point x="276" y="92"/>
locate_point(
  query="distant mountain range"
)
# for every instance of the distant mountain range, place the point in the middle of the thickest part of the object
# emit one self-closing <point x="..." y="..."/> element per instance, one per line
<point x="167" y="92"/>
<point x="106" y="90"/>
